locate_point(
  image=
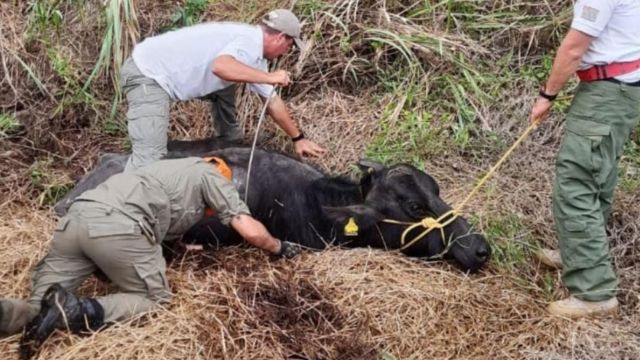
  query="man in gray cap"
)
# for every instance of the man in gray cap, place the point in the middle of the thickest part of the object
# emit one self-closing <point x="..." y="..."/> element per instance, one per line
<point x="206" y="61"/>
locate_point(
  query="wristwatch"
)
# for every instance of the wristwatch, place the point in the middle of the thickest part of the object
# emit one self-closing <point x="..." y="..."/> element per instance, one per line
<point x="544" y="95"/>
<point x="299" y="137"/>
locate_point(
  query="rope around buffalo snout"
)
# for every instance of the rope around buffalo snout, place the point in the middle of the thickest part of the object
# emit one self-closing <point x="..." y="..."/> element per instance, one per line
<point x="430" y="224"/>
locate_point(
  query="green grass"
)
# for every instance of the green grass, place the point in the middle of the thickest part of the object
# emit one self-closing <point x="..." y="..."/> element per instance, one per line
<point x="629" y="169"/>
<point x="50" y="189"/>
<point x="406" y="135"/>
<point x="436" y="120"/>
<point x="45" y="15"/>
<point x="538" y="73"/>
<point x="115" y="127"/>
<point x="72" y="92"/>
<point x="309" y="8"/>
<point x="8" y="125"/>
<point x="121" y="29"/>
<point x="510" y="242"/>
<point x="549" y="286"/>
<point x="186" y="15"/>
<point x="414" y="136"/>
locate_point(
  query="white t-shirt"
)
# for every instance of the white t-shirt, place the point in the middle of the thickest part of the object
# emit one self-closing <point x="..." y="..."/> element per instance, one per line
<point x="615" y="26"/>
<point x="180" y="60"/>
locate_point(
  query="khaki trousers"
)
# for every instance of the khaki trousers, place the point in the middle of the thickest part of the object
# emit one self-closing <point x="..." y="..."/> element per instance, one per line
<point x="93" y="236"/>
<point x="148" y="116"/>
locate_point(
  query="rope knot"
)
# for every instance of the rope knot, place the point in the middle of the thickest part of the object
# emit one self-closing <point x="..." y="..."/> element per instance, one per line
<point x="430" y="223"/>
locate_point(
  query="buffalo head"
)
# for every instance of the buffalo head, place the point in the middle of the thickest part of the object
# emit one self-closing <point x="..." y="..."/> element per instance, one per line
<point x="397" y="196"/>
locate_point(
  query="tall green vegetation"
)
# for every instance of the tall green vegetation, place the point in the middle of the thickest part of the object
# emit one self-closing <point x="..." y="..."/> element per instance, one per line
<point x="72" y="92"/>
<point x="187" y="15"/>
<point x="45" y="15"/>
<point x="454" y="71"/>
<point x="120" y="35"/>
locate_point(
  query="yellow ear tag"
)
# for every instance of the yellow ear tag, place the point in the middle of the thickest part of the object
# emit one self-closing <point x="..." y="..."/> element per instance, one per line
<point x="351" y="228"/>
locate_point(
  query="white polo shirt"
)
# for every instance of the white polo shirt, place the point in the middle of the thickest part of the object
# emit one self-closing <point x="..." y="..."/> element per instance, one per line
<point x="180" y="61"/>
<point x="615" y="26"/>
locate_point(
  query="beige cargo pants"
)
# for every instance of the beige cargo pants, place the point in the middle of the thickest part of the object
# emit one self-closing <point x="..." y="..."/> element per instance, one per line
<point x="148" y="116"/>
<point x="93" y="236"/>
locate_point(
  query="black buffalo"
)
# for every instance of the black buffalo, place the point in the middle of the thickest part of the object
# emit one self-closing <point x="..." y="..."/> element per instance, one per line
<point x="298" y="203"/>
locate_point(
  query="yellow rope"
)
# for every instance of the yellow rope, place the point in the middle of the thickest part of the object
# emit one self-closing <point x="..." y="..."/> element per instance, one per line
<point x="533" y="126"/>
<point x="430" y="223"/>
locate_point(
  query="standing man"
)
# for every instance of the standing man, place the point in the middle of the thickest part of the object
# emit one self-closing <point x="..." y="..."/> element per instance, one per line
<point x="119" y="228"/>
<point x="603" y="46"/>
<point x="206" y="61"/>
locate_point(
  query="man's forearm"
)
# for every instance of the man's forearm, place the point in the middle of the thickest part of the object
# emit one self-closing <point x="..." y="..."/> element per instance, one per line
<point x="278" y="111"/>
<point x="229" y="69"/>
<point x="255" y="233"/>
<point x="567" y="60"/>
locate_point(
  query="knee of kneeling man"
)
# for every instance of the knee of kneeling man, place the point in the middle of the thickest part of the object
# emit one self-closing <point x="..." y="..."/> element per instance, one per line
<point x="161" y="296"/>
<point x="156" y="284"/>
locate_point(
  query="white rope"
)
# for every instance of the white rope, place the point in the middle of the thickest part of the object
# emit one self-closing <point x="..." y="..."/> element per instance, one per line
<point x="253" y="145"/>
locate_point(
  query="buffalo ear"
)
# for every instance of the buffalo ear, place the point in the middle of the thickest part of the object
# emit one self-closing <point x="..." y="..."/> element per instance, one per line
<point x="369" y="166"/>
<point x="364" y="217"/>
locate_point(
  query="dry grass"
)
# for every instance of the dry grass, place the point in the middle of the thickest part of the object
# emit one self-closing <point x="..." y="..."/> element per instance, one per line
<point x="337" y="304"/>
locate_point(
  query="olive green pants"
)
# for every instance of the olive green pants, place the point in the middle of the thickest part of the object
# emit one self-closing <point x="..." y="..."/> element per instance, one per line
<point x="600" y="120"/>
<point x="148" y="116"/>
<point x="93" y="236"/>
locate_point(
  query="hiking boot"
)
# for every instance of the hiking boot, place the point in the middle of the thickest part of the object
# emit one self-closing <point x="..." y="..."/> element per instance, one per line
<point x="60" y="309"/>
<point x="574" y="308"/>
<point x="549" y="257"/>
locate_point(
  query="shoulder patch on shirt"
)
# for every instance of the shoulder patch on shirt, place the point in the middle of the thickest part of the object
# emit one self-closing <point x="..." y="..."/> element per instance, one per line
<point x="243" y="55"/>
<point x="589" y="13"/>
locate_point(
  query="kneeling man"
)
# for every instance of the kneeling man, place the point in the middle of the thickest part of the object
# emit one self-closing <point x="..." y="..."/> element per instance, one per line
<point x="118" y="228"/>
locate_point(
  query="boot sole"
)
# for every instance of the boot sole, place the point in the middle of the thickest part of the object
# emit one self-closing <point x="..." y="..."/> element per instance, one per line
<point x="589" y="315"/>
<point x="543" y="259"/>
<point x="38" y="332"/>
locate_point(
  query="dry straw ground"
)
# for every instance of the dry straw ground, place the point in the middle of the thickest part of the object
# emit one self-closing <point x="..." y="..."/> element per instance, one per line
<point x="238" y="303"/>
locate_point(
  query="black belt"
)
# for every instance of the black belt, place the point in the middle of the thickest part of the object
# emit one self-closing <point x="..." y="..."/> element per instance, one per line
<point x="636" y="84"/>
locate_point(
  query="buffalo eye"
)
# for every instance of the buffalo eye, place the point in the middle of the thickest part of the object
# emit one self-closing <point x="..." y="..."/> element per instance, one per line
<point x="417" y="210"/>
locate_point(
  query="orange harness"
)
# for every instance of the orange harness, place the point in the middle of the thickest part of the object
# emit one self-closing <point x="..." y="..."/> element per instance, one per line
<point x="225" y="171"/>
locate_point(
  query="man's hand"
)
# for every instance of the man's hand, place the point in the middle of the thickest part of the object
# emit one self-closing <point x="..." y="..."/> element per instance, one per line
<point x="306" y="147"/>
<point x="540" y="110"/>
<point x="288" y="249"/>
<point x="280" y="78"/>
<point x="565" y="64"/>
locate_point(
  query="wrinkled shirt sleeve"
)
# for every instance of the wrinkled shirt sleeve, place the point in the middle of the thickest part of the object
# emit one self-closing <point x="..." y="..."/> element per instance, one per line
<point x="264" y="90"/>
<point x="246" y="51"/>
<point x="221" y="195"/>
<point x="591" y="16"/>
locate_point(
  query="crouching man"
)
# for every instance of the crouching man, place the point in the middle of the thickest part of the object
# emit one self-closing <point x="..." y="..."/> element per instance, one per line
<point x="118" y="228"/>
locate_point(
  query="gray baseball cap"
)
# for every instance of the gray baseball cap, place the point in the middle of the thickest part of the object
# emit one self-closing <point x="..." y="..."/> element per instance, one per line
<point x="285" y="21"/>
